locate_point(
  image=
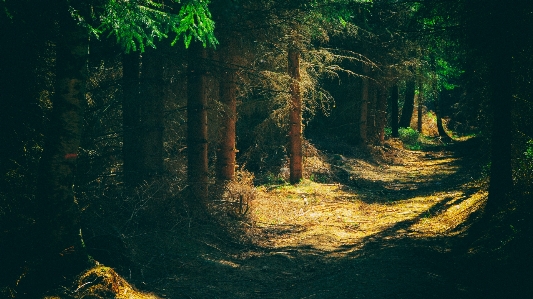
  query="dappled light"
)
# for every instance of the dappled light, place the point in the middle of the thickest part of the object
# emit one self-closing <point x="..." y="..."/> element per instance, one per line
<point x="388" y="201"/>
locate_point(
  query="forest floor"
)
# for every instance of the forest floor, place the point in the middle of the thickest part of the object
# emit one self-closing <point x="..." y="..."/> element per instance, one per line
<point x="395" y="230"/>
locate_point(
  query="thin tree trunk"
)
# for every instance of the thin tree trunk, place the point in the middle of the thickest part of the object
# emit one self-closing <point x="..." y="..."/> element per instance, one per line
<point x="419" y="112"/>
<point x="131" y="116"/>
<point x="225" y="166"/>
<point x="381" y="113"/>
<point x="371" y="115"/>
<point x="197" y="163"/>
<point x="440" y="127"/>
<point x="57" y="242"/>
<point x="408" y="105"/>
<point x="363" y="110"/>
<point x="295" y="118"/>
<point x="394" y="111"/>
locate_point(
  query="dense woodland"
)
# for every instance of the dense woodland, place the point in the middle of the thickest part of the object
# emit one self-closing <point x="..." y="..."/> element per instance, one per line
<point x="121" y="118"/>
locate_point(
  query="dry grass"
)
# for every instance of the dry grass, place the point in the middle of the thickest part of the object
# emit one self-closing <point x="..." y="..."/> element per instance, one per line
<point x="413" y="198"/>
<point x="103" y="282"/>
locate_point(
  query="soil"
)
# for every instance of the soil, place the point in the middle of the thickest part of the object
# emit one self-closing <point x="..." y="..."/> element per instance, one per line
<point x="394" y="229"/>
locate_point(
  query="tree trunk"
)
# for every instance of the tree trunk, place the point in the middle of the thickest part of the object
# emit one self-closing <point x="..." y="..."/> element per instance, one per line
<point x="152" y="108"/>
<point x="57" y="241"/>
<point x="371" y="115"/>
<point x="363" y="110"/>
<point x="419" y="112"/>
<point x="225" y="167"/>
<point x="197" y="163"/>
<point x="440" y="127"/>
<point x="131" y="117"/>
<point x="408" y="105"/>
<point x="295" y="117"/>
<point x="381" y="113"/>
<point x="394" y="111"/>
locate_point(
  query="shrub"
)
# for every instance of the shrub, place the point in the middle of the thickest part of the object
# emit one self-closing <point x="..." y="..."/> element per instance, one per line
<point x="408" y="135"/>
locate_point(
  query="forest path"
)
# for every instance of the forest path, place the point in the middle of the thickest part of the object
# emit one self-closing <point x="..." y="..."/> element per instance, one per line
<point x="388" y="234"/>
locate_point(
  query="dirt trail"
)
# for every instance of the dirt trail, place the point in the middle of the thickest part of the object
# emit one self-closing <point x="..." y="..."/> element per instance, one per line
<point x="388" y="234"/>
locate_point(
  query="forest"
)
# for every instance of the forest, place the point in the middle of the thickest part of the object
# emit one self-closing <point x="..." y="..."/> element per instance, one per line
<point x="266" y="149"/>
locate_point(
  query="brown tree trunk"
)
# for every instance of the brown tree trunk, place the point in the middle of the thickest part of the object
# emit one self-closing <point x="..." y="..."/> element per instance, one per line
<point x="363" y="110"/>
<point x="408" y="105"/>
<point x="57" y="241"/>
<point x="371" y="115"/>
<point x="419" y="112"/>
<point x="225" y="165"/>
<point x="394" y="111"/>
<point x="152" y="108"/>
<point x="131" y="117"/>
<point x="440" y="127"/>
<point x="381" y="113"/>
<point x="295" y="118"/>
<point x="197" y="163"/>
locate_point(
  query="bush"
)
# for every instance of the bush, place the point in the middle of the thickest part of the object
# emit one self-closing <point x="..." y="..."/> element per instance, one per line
<point x="409" y="137"/>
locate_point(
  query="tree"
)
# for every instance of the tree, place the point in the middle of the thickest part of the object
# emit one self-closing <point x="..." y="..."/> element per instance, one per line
<point x="408" y="104"/>
<point x="228" y="95"/>
<point x="197" y="162"/>
<point x="295" y="115"/>
<point x="57" y="241"/>
<point x="394" y="110"/>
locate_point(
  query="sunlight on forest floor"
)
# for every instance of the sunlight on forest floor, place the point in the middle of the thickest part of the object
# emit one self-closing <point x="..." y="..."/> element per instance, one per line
<point x="418" y="198"/>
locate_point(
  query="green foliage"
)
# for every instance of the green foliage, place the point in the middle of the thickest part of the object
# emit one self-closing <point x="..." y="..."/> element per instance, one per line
<point x="140" y="23"/>
<point x="388" y="132"/>
<point x="409" y="137"/>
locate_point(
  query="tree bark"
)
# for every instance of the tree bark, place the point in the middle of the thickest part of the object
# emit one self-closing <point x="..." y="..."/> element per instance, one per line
<point x="363" y="110"/>
<point x="381" y="113"/>
<point x="295" y="117"/>
<point x="394" y="111"/>
<point x="57" y="240"/>
<point x="419" y="112"/>
<point x="197" y="163"/>
<point x="438" y="111"/>
<point x="371" y="115"/>
<point x="408" y="105"/>
<point x="225" y="166"/>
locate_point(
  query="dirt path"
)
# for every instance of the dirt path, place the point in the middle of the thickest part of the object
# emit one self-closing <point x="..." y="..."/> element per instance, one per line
<point x="388" y="234"/>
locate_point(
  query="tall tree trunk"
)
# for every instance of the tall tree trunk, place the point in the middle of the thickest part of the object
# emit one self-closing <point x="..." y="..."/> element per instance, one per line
<point x="408" y="105"/>
<point x="197" y="163"/>
<point x="363" y="109"/>
<point x="131" y="118"/>
<point x="295" y="117"/>
<point x="381" y="113"/>
<point x="57" y="240"/>
<point x="438" y="111"/>
<point x="152" y="108"/>
<point x="225" y="166"/>
<point x="419" y="112"/>
<point x="394" y="111"/>
<point x="143" y="107"/>
<point x="371" y="115"/>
